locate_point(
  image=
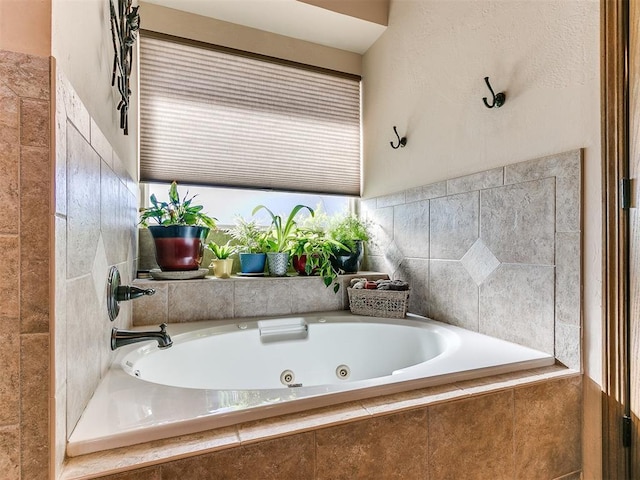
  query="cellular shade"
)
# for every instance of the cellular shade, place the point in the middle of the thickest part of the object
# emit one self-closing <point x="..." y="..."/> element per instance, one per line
<point x="211" y="117"/>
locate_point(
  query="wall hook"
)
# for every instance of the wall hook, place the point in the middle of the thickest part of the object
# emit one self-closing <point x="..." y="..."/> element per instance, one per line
<point x="401" y="141"/>
<point x="498" y="98"/>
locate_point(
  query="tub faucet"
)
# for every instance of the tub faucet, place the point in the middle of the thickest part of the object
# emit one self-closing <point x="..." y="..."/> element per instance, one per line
<point x="120" y="338"/>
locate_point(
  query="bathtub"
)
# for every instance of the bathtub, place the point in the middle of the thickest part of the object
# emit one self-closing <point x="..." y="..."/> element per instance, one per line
<point x="222" y="373"/>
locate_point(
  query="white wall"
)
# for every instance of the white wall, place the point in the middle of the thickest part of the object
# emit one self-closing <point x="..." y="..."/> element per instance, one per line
<point x="425" y="75"/>
<point x="81" y="43"/>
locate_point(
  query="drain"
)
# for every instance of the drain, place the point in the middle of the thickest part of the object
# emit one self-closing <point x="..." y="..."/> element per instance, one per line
<point x="343" y="372"/>
<point x="287" y="377"/>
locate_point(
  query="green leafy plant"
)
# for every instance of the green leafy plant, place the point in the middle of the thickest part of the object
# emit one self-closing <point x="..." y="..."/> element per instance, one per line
<point x="222" y="252"/>
<point x="177" y="211"/>
<point x="281" y="234"/>
<point x="318" y="249"/>
<point x="346" y="229"/>
<point x="249" y="236"/>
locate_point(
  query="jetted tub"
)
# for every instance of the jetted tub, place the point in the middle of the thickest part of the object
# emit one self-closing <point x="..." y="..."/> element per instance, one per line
<point x="222" y="373"/>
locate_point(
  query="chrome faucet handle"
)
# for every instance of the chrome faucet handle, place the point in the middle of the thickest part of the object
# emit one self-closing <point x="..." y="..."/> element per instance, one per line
<point x="127" y="292"/>
<point x="117" y="293"/>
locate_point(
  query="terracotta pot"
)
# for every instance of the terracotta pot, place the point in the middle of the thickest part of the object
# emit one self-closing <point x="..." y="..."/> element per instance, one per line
<point x="178" y="247"/>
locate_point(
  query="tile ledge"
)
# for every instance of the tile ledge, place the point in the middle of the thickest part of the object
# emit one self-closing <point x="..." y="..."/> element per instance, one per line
<point x="238" y="278"/>
<point x="146" y="455"/>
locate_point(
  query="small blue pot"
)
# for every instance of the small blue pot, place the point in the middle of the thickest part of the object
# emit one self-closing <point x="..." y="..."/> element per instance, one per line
<point x="252" y="262"/>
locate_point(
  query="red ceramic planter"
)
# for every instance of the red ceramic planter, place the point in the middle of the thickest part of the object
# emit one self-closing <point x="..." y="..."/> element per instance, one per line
<point x="179" y="247"/>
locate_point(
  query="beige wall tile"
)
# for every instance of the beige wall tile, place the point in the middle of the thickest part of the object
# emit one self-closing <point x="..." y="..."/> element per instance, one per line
<point x="34" y="411"/>
<point x="190" y="300"/>
<point x="9" y="372"/>
<point x="389" y="447"/>
<point x="9" y="276"/>
<point x="9" y="159"/>
<point x="10" y="452"/>
<point x="85" y="340"/>
<point x="153" y="473"/>
<point x="453" y="226"/>
<point x="548" y="429"/>
<point x="34" y="122"/>
<point x="83" y="203"/>
<point x="26" y="75"/>
<point x="289" y="458"/>
<point x="472" y="435"/>
<point x="476" y="181"/>
<point x="259" y="298"/>
<point x="517" y="305"/>
<point x="517" y="222"/>
<point x="411" y="229"/>
<point x="34" y="234"/>
<point x="151" y="310"/>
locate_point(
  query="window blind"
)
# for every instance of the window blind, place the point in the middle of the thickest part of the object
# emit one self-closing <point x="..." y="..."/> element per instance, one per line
<point x="210" y="117"/>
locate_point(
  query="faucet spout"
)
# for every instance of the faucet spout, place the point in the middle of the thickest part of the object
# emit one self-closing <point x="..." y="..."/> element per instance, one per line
<point x="120" y="338"/>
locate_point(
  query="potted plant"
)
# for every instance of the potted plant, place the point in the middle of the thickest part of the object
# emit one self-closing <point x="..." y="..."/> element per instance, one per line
<point x="251" y="241"/>
<point x="181" y="230"/>
<point x="279" y="237"/>
<point x="350" y="231"/>
<point x="311" y="254"/>
<point x="222" y="265"/>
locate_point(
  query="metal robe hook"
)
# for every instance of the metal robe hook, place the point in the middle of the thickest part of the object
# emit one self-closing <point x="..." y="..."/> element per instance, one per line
<point x="401" y="141"/>
<point x="498" y="98"/>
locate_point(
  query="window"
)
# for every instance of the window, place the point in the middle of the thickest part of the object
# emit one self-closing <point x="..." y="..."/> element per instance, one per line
<point x="218" y="118"/>
<point x="225" y="203"/>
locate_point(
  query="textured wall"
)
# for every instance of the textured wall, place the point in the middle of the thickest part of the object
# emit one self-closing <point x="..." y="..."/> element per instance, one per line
<point x="81" y="43"/>
<point x="95" y="227"/>
<point x="25" y="26"/>
<point x="497" y="251"/>
<point x="25" y="179"/>
<point x="425" y="75"/>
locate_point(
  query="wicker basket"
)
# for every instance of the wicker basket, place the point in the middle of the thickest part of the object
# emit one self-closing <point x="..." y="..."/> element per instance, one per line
<point x="378" y="303"/>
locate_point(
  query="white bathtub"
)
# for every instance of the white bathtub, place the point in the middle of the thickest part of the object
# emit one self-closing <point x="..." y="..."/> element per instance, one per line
<point x="222" y="373"/>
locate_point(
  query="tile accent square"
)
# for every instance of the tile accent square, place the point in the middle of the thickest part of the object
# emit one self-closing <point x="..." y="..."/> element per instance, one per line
<point x="479" y="262"/>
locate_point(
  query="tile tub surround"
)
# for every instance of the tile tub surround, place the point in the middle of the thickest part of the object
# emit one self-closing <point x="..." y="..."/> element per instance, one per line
<point x="238" y="297"/>
<point x="95" y="227"/>
<point x="437" y="432"/>
<point x="25" y="307"/>
<point x="497" y="251"/>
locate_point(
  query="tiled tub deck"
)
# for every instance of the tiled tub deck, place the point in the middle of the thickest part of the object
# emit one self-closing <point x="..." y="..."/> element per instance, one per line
<point x="519" y="425"/>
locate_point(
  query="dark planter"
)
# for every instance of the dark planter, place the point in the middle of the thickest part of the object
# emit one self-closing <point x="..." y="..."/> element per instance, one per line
<point x="252" y="262"/>
<point x="344" y="261"/>
<point x="179" y="247"/>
